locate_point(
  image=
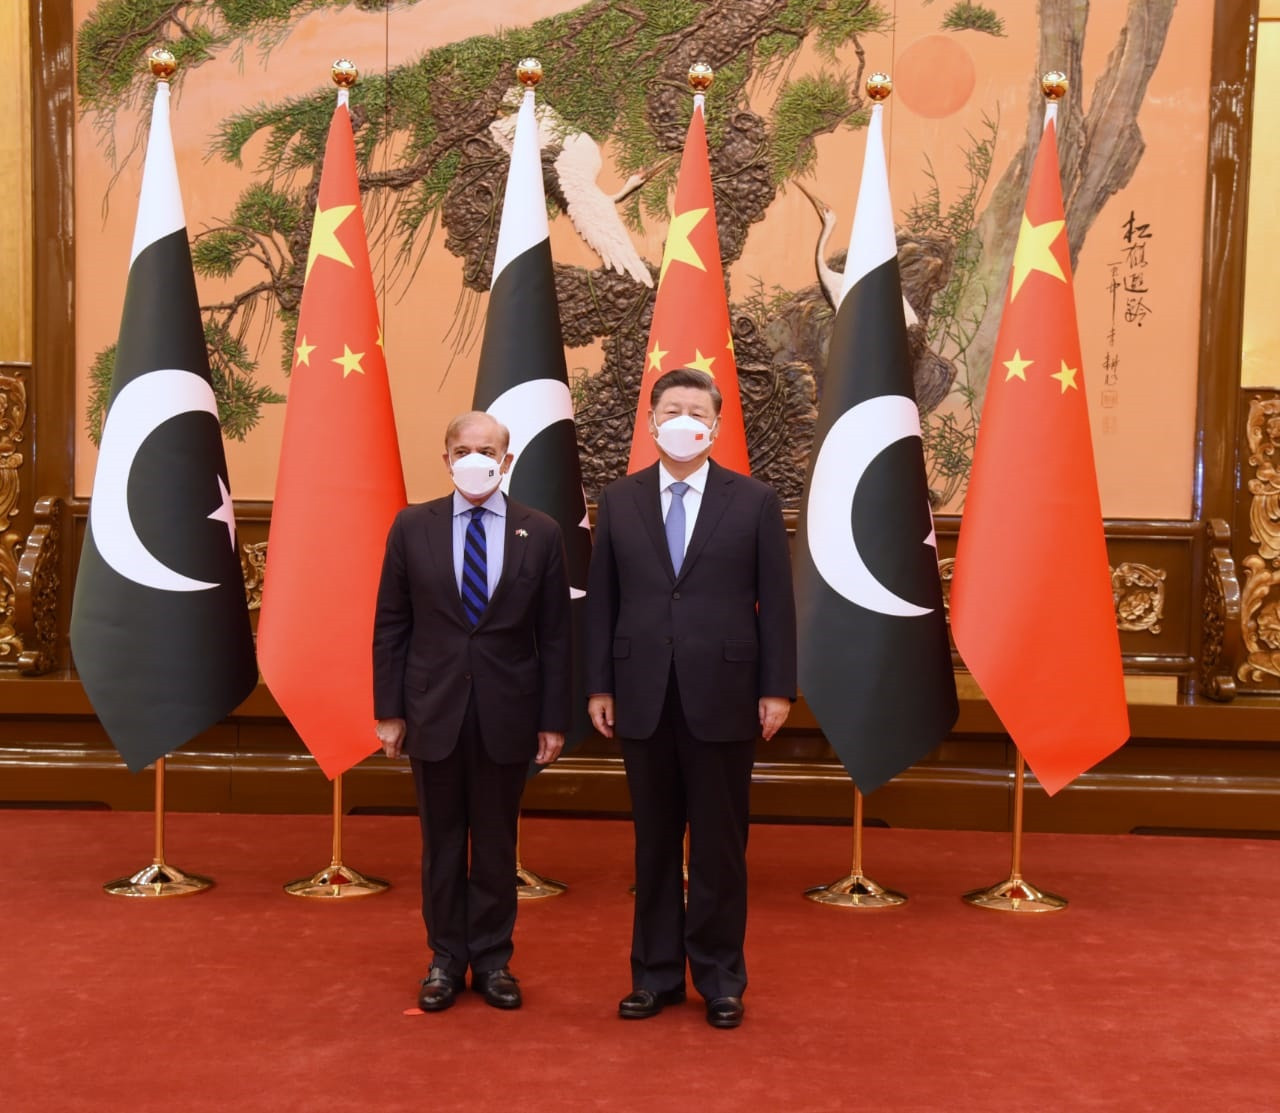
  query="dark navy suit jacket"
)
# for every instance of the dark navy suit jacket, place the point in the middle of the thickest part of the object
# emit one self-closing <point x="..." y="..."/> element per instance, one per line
<point x="727" y="621"/>
<point x="428" y="660"/>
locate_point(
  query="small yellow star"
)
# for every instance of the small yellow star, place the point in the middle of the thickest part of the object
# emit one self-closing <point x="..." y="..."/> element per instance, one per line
<point x="303" y="352"/>
<point x="324" y="236"/>
<point x="1017" y="366"/>
<point x="729" y="344"/>
<point x="379" y="336"/>
<point x="349" y="361"/>
<point x="656" y="356"/>
<point x="1033" y="252"/>
<point x="702" y="363"/>
<point x="679" y="249"/>
<point x="1067" y="377"/>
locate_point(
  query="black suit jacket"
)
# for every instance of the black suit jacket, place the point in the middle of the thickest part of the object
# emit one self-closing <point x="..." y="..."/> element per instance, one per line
<point x="427" y="659"/>
<point x="727" y="620"/>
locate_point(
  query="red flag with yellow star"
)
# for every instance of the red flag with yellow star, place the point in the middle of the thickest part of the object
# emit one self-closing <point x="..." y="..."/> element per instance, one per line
<point x="339" y="485"/>
<point x="691" y="312"/>
<point x="1031" y="604"/>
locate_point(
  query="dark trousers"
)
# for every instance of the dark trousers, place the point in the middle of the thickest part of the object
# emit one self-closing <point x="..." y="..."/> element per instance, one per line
<point x="469" y="800"/>
<point x="675" y="778"/>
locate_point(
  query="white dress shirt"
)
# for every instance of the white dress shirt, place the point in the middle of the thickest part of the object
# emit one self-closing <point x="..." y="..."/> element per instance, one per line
<point x="692" y="497"/>
<point x="494" y="520"/>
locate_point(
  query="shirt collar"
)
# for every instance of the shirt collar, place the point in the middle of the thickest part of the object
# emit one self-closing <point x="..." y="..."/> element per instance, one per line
<point x="495" y="503"/>
<point x="698" y="480"/>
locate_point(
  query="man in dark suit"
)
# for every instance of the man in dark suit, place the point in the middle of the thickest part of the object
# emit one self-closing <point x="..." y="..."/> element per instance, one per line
<point x="691" y="649"/>
<point x="471" y="661"/>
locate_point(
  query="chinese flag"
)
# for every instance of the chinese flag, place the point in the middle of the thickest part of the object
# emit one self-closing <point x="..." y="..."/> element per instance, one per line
<point x="691" y="313"/>
<point x="339" y="485"/>
<point x="1031" y="604"/>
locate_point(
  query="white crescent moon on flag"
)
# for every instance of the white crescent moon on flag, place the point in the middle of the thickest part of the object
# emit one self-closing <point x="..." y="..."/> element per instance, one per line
<point x="138" y="410"/>
<point x="527" y="409"/>
<point x="858" y="436"/>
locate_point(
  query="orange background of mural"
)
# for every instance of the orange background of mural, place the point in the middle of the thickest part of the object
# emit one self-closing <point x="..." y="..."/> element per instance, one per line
<point x="1143" y="425"/>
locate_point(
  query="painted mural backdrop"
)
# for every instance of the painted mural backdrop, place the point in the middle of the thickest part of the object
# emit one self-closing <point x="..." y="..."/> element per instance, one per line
<point x="786" y="115"/>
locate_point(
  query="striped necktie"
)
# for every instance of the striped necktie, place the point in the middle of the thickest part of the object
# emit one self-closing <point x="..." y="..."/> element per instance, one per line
<point x="475" y="568"/>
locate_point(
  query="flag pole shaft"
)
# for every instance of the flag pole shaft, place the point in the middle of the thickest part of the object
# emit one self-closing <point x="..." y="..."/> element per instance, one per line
<point x="159" y="855"/>
<point x="856" y="871"/>
<point x="337" y="820"/>
<point x="1019" y="788"/>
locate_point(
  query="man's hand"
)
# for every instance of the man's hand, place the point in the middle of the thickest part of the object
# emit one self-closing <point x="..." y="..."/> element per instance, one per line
<point x="390" y="733"/>
<point x="773" y="713"/>
<point x="600" y="708"/>
<point x="550" y="743"/>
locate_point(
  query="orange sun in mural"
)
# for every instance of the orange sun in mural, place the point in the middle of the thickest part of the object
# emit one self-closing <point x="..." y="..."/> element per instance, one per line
<point x="934" y="76"/>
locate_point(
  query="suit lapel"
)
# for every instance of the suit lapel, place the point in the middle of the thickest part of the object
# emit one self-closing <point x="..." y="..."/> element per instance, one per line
<point x="440" y="544"/>
<point x="715" y="499"/>
<point x="513" y="552"/>
<point x="648" y="502"/>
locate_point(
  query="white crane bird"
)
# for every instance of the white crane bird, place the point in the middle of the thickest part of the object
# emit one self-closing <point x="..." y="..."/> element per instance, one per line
<point x="593" y="213"/>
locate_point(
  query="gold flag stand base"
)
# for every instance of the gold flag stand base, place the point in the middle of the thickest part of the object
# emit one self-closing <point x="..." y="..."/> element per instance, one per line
<point x="1015" y="895"/>
<point x="158" y="880"/>
<point x="337" y="881"/>
<point x="530" y="886"/>
<point x="855" y="891"/>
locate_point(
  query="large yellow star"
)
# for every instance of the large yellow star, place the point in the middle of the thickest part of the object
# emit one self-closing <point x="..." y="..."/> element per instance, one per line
<point x="656" y="356"/>
<point x="701" y="362"/>
<point x="324" y="236"/>
<point x="679" y="249"/>
<point x="1017" y="366"/>
<point x="303" y="352"/>
<point x="349" y="361"/>
<point x="1067" y="377"/>
<point x="1033" y="252"/>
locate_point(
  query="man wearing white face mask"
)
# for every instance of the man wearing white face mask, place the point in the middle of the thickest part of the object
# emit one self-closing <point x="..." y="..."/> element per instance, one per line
<point x="471" y="659"/>
<point x="691" y="648"/>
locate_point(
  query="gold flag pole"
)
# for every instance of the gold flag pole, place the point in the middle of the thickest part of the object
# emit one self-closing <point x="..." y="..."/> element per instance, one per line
<point x="337" y="880"/>
<point x="158" y="879"/>
<point x="1016" y="894"/>
<point x="856" y="889"/>
<point x="531" y="886"/>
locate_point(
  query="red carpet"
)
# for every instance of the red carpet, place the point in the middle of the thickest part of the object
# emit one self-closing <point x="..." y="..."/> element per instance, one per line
<point x="1156" y="990"/>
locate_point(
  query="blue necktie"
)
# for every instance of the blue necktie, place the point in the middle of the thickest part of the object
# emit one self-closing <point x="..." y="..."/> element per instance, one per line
<point x="475" y="568"/>
<point x="675" y="525"/>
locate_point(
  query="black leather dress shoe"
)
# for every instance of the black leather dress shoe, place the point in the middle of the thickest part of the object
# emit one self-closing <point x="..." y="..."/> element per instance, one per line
<point x="640" y="1004"/>
<point x="724" y="1012"/>
<point x="439" y="989"/>
<point x="497" y="987"/>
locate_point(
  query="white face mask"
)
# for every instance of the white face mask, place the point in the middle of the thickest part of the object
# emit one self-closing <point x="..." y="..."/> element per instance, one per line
<point x="684" y="437"/>
<point x="477" y="475"/>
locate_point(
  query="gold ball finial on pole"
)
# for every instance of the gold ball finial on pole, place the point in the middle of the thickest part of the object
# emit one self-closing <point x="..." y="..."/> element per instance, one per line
<point x="1054" y="85"/>
<point x="879" y="86"/>
<point x="162" y="63"/>
<point x="344" y="73"/>
<point x="528" y="72"/>
<point x="701" y="75"/>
